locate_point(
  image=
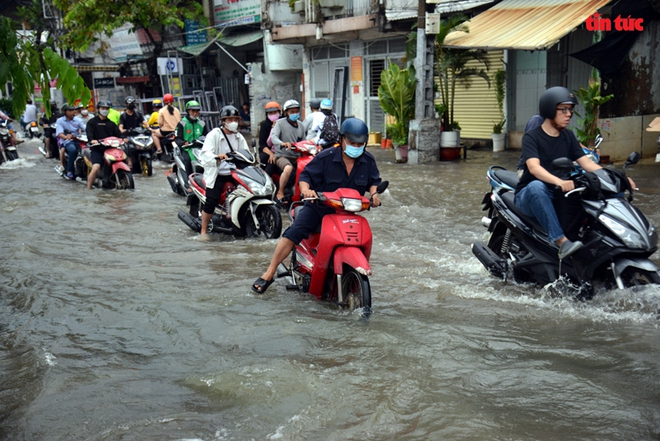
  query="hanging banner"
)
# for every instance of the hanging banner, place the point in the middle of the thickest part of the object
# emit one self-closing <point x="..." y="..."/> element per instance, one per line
<point x="236" y="12"/>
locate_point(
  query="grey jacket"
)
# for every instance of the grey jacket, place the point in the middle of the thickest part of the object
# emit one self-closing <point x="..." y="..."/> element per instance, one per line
<point x="284" y="131"/>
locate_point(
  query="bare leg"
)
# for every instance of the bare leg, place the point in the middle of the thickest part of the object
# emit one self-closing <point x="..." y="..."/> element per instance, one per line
<point x="206" y="218"/>
<point x="47" y="141"/>
<point x="284" y="247"/>
<point x="156" y="137"/>
<point x="92" y="175"/>
<point x="62" y="157"/>
<point x="284" y="179"/>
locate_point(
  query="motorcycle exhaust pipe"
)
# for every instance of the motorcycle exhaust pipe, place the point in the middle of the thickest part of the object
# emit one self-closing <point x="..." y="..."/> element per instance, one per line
<point x="493" y="263"/>
<point x="172" y="180"/>
<point x="194" y="224"/>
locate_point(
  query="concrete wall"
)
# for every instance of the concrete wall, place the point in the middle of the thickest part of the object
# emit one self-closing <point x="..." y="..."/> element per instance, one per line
<point x="621" y="136"/>
<point x="271" y="86"/>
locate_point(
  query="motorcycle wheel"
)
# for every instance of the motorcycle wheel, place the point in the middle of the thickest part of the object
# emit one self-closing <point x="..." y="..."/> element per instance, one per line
<point x="270" y="222"/>
<point x="146" y="166"/>
<point x="637" y="277"/>
<point x="356" y="292"/>
<point x="11" y="155"/>
<point x="123" y="180"/>
<point x="495" y="244"/>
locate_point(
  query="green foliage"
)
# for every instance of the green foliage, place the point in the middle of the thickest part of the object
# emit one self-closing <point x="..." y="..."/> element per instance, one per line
<point x="451" y="65"/>
<point x="397" y="98"/>
<point x="7" y="105"/>
<point x="591" y="100"/>
<point x="25" y="63"/>
<point x="499" y="78"/>
<point x="499" y="126"/>
<point x="87" y="20"/>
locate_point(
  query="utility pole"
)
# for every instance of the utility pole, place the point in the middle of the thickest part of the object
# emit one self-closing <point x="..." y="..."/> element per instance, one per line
<point x="424" y="134"/>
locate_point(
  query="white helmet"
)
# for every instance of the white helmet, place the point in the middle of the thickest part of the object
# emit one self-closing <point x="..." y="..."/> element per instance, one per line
<point x="291" y="104"/>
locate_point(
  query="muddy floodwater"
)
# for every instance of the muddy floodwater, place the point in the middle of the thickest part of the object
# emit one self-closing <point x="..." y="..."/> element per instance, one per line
<point x="116" y="323"/>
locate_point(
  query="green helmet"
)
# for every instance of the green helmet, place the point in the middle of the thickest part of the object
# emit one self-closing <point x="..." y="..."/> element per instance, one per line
<point x="193" y="105"/>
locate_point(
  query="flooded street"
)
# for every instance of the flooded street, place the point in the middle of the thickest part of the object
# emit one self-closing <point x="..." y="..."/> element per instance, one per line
<point x="116" y="323"/>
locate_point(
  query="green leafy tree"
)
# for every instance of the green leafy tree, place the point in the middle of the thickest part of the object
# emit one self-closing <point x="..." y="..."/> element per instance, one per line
<point x="87" y="21"/>
<point x="25" y="61"/>
<point x="591" y="100"/>
<point x="396" y="94"/>
<point x="454" y="66"/>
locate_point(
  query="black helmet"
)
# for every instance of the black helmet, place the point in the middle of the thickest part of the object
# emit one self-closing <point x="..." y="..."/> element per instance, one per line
<point x="355" y="130"/>
<point x="104" y="103"/>
<point x="228" y="112"/>
<point x="67" y="107"/>
<point x="553" y="96"/>
<point x="315" y="103"/>
<point x="129" y="100"/>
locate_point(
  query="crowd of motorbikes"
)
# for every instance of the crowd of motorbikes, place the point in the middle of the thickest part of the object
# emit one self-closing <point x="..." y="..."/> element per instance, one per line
<point x="333" y="263"/>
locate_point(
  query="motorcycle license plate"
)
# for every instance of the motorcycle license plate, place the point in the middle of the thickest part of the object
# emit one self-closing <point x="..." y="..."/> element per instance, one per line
<point x="34" y="129"/>
<point x="11" y="148"/>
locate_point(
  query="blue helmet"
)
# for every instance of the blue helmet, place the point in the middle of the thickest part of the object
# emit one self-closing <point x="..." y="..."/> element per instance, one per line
<point x="355" y="130"/>
<point x="326" y="104"/>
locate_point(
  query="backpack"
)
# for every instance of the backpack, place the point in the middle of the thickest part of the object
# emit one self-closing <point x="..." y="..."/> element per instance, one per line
<point x="330" y="129"/>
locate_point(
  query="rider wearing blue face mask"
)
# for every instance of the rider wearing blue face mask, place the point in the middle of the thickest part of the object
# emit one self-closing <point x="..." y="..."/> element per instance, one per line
<point x="347" y="166"/>
<point x="286" y="131"/>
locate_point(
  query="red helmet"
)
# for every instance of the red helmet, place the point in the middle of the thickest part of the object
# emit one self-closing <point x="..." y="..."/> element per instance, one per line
<point x="168" y="98"/>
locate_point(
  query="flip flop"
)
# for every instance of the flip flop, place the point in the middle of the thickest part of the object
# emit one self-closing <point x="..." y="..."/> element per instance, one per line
<point x="260" y="285"/>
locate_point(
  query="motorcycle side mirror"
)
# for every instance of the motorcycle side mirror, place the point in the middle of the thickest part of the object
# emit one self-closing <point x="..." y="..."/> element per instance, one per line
<point x="632" y="159"/>
<point x="382" y="186"/>
<point x="599" y="139"/>
<point x="562" y="164"/>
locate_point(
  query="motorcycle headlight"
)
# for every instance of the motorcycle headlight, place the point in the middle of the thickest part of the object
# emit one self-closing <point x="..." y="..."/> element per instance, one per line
<point x="353" y="205"/>
<point x="139" y="143"/>
<point x="630" y="237"/>
<point x="4" y="131"/>
<point x="256" y="188"/>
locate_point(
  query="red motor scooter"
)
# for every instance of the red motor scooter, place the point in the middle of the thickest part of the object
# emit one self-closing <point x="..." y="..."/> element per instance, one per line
<point x="307" y="150"/>
<point x="333" y="263"/>
<point x="114" y="172"/>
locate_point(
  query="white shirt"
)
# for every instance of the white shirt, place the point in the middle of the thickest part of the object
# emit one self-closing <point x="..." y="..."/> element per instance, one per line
<point x="317" y="125"/>
<point x="30" y="113"/>
<point x="216" y="143"/>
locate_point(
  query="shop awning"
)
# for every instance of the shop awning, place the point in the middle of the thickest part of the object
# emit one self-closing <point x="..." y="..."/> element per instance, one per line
<point x="407" y="9"/>
<point x="196" y="49"/>
<point x="524" y="24"/>
<point x="97" y="67"/>
<point x="241" y="39"/>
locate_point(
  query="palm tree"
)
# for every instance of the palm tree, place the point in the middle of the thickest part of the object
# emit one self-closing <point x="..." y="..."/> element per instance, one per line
<point x="452" y="66"/>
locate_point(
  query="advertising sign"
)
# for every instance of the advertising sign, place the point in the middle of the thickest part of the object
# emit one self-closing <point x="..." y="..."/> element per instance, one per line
<point x="236" y="12"/>
<point x="193" y="34"/>
<point x="125" y="43"/>
<point x="104" y="83"/>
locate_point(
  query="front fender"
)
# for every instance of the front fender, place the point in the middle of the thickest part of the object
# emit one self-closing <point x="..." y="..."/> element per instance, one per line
<point x="353" y="257"/>
<point x="644" y="264"/>
<point x="120" y="166"/>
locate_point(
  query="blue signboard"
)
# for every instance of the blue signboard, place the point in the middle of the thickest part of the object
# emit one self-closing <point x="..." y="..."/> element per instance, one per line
<point x="193" y="34"/>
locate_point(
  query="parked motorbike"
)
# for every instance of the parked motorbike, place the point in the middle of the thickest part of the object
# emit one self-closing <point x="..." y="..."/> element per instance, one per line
<point x="618" y="239"/>
<point x="246" y="206"/>
<point x="178" y="177"/>
<point x="32" y="130"/>
<point x="114" y="172"/>
<point x="8" y="151"/>
<point x="332" y="264"/>
<point x="140" y="147"/>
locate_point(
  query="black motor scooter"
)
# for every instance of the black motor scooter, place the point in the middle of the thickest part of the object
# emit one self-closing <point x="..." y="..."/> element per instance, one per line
<point x="618" y="239"/>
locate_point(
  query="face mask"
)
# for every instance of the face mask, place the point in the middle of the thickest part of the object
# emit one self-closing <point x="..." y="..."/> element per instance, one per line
<point x="192" y="118"/>
<point x="274" y="117"/>
<point x="104" y="112"/>
<point x="294" y="117"/>
<point x="232" y="126"/>
<point x="353" y="152"/>
<point x="131" y="106"/>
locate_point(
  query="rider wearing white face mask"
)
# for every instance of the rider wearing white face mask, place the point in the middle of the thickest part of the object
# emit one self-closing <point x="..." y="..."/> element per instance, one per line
<point x="218" y="143"/>
<point x="286" y="131"/>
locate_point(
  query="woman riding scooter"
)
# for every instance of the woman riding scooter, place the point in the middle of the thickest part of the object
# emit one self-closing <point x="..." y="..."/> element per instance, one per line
<point x="168" y="118"/>
<point x="189" y="129"/>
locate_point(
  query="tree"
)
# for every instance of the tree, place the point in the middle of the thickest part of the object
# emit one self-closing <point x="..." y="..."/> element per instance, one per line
<point x="452" y="66"/>
<point x="26" y="61"/>
<point x="86" y="21"/>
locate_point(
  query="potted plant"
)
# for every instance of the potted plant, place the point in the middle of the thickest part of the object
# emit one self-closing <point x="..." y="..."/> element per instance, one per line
<point x="591" y="100"/>
<point x="451" y="67"/>
<point x="396" y="94"/>
<point x="498" y="127"/>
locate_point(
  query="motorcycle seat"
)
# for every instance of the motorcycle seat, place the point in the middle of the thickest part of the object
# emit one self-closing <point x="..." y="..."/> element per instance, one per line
<point x="510" y="178"/>
<point x="198" y="178"/>
<point x="509" y="199"/>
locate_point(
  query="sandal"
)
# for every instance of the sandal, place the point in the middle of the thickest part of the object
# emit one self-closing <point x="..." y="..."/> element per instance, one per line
<point x="260" y="285"/>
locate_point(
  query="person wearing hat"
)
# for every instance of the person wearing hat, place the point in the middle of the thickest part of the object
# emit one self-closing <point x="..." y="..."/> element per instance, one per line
<point x="217" y="171"/>
<point x="347" y="166"/>
<point x="156" y="105"/>
<point x="98" y="128"/>
<point x="189" y="129"/>
<point x="67" y="128"/>
<point x="130" y="118"/>
<point x="168" y="118"/>
<point x="315" y="105"/>
<point x="266" y="153"/>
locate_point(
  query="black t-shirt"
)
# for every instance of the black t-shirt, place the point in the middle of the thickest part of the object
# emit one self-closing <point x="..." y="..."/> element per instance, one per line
<point x="131" y="121"/>
<point x="98" y="128"/>
<point x="538" y="144"/>
<point x="264" y="132"/>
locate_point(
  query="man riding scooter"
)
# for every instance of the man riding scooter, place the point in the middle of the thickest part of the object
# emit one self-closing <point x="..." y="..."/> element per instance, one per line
<point x="189" y="129"/>
<point x="348" y="166"/>
<point x="67" y="128"/>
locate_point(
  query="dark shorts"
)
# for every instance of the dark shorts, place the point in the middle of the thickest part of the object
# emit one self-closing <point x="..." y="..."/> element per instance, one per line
<point x="307" y="220"/>
<point x="96" y="156"/>
<point x="213" y="194"/>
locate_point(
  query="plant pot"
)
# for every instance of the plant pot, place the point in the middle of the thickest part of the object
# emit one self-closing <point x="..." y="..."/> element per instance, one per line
<point x="374" y="138"/>
<point x="385" y="143"/>
<point x="450" y="139"/>
<point x="449" y="153"/>
<point x="401" y="153"/>
<point x="498" y="141"/>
